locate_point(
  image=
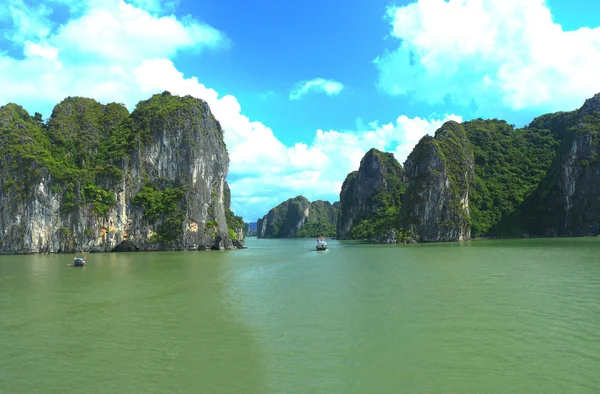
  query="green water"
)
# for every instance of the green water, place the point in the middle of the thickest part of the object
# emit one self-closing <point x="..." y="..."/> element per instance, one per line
<point x="517" y="316"/>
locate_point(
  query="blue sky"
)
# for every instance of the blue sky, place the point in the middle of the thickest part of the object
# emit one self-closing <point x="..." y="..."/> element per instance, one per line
<point x="277" y="44"/>
<point x="304" y="88"/>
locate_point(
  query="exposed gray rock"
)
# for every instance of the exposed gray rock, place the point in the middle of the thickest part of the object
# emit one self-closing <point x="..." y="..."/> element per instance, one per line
<point x="379" y="177"/>
<point x="177" y="143"/>
<point x="439" y="171"/>
<point x="298" y="217"/>
<point x="567" y="202"/>
<point x="540" y="180"/>
<point x="390" y="238"/>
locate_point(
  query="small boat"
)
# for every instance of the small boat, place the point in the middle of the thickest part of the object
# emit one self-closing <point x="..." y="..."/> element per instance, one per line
<point x="79" y="261"/>
<point x="321" y="244"/>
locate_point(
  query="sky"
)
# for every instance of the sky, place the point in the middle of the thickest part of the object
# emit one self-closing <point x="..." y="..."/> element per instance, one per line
<point x="303" y="89"/>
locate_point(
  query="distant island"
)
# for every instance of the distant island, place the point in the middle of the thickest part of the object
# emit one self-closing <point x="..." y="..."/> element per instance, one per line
<point x="250" y="229"/>
<point x="298" y="217"/>
<point x="97" y="178"/>
<point x="477" y="179"/>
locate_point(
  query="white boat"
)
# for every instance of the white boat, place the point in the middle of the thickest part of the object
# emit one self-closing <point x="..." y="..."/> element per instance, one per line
<point x="321" y="244"/>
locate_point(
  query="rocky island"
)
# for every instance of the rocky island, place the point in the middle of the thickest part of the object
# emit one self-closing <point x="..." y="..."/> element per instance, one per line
<point x="482" y="179"/>
<point x="476" y="179"/>
<point x="97" y="178"/>
<point x="298" y="217"/>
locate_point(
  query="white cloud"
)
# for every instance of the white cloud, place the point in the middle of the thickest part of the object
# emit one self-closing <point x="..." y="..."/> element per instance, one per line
<point x="94" y="54"/>
<point x="132" y="62"/>
<point x="489" y="51"/>
<point x="117" y="32"/>
<point x="318" y="170"/>
<point x="327" y="86"/>
<point x="28" y="21"/>
<point x="31" y="49"/>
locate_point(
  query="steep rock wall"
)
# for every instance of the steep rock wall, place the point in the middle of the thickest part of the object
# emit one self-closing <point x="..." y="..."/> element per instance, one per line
<point x="438" y="172"/>
<point x="96" y="178"/>
<point x="297" y="217"/>
<point x="371" y="193"/>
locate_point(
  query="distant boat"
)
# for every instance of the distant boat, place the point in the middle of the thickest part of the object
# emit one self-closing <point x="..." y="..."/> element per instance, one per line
<point x="321" y="244"/>
<point x="79" y="261"/>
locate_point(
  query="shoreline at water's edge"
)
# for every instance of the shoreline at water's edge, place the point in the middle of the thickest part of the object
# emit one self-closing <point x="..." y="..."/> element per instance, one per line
<point x="533" y="237"/>
<point x="498" y="239"/>
<point x="123" y="251"/>
<point x="366" y="241"/>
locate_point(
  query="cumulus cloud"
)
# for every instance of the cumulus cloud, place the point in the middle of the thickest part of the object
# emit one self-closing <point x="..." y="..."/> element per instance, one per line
<point x="94" y="54"/>
<point x="492" y="51"/>
<point x="132" y="62"/>
<point x="327" y="86"/>
<point x="99" y="35"/>
<point x="28" y="21"/>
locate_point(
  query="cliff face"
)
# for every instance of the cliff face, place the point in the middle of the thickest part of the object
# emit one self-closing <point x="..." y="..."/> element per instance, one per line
<point x="322" y="219"/>
<point x="96" y="178"/>
<point x="370" y="198"/>
<point x="250" y="229"/>
<point x="234" y="223"/>
<point x="484" y="178"/>
<point x="579" y="179"/>
<point x="567" y="201"/>
<point x="439" y="172"/>
<point x="284" y="220"/>
<point x="297" y="217"/>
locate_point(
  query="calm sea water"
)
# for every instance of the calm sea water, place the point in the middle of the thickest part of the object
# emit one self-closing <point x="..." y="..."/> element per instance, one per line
<point x="518" y="316"/>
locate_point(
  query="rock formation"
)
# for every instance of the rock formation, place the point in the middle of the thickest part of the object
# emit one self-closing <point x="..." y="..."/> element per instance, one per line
<point x="297" y="217"/>
<point x="250" y="229"/>
<point x="483" y="178"/>
<point x="439" y="172"/>
<point x="370" y="198"/>
<point x="567" y="201"/>
<point x="97" y="178"/>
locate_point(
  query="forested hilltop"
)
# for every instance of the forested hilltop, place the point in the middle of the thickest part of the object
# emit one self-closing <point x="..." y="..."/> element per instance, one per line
<point x="482" y="178"/>
<point x="96" y="178"/>
<point x="298" y="217"/>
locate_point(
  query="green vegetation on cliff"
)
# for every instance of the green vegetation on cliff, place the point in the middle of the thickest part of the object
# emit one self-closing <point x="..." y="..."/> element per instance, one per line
<point x="73" y="147"/>
<point x="164" y="204"/>
<point x="509" y="165"/>
<point x="316" y="228"/>
<point x="281" y="220"/>
<point x="567" y="200"/>
<point x="297" y="217"/>
<point x="451" y="141"/>
<point x="234" y="223"/>
<point x="82" y="144"/>
<point x="346" y="203"/>
<point x="161" y="166"/>
<point x="322" y="219"/>
<point x="24" y="144"/>
<point x="439" y="172"/>
<point x="541" y="179"/>
<point x="382" y="208"/>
